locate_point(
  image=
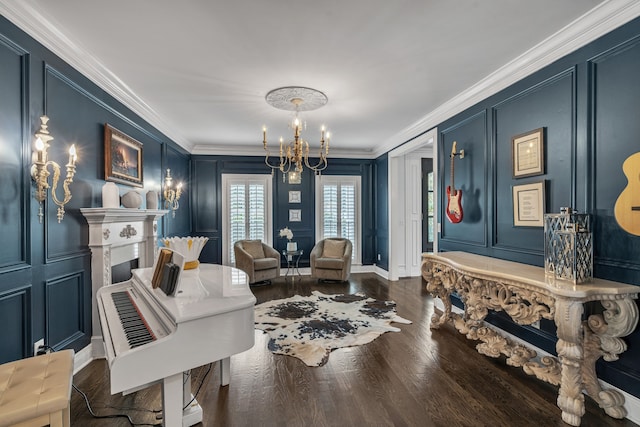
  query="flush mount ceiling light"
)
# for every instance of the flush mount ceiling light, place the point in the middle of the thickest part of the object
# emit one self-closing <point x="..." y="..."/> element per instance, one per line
<point x="296" y="152"/>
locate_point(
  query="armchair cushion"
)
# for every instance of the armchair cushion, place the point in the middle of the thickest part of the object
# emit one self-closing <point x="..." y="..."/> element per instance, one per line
<point x="333" y="249"/>
<point x="254" y="248"/>
<point x="260" y="264"/>
<point x="330" y="263"/>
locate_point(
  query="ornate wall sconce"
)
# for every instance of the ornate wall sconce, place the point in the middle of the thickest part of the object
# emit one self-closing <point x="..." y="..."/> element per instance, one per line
<point x="171" y="194"/>
<point x="40" y="171"/>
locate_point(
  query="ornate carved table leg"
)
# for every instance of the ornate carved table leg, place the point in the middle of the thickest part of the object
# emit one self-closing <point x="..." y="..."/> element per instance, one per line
<point x="568" y="318"/>
<point x="602" y="339"/>
<point x="438" y="284"/>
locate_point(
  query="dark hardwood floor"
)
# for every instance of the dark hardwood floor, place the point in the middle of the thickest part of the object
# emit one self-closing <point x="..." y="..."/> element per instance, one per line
<point x="416" y="377"/>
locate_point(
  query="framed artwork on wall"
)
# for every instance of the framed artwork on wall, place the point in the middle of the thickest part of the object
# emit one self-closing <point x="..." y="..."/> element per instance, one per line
<point x="527" y="153"/>
<point x="528" y="205"/>
<point x="295" y="215"/>
<point x="122" y="158"/>
<point x="294" y="197"/>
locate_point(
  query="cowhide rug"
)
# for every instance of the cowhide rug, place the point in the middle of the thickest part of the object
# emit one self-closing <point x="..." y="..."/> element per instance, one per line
<point x="309" y="328"/>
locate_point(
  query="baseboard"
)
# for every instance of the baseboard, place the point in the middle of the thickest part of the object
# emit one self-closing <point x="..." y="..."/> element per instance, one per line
<point x="631" y="403"/>
<point x="381" y="272"/>
<point x="82" y="358"/>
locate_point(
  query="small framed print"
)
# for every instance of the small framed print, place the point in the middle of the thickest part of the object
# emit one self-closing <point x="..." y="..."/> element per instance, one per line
<point x="294" y="197"/>
<point x="295" y="215"/>
<point x="527" y="152"/>
<point x="528" y="205"/>
<point x="122" y="158"/>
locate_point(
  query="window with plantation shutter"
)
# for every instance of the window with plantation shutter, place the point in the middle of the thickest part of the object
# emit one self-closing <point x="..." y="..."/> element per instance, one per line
<point x="338" y="210"/>
<point x="246" y="211"/>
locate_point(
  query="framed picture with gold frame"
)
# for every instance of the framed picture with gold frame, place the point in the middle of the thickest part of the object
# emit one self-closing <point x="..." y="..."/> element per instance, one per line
<point x="527" y="153"/>
<point x="529" y="205"/>
<point x="122" y="158"/>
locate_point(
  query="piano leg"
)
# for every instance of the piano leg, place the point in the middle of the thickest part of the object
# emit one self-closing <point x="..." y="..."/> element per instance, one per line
<point x="172" y="401"/>
<point x="176" y="394"/>
<point x="192" y="413"/>
<point x="225" y="371"/>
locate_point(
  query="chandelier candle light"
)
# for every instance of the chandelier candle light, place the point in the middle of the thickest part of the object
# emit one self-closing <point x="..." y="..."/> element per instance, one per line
<point x="40" y="171"/>
<point x="171" y="195"/>
<point x="296" y="152"/>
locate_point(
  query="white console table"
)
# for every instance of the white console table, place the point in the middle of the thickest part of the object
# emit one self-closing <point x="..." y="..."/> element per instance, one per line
<point x="526" y="295"/>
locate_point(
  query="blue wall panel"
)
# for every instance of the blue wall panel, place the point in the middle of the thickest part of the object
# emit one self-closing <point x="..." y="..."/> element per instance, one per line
<point x="588" y="104"/>
<point x="36" y="82"/>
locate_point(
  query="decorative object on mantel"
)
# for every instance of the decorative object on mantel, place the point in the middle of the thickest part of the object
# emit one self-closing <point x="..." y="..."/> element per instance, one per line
<point x="132" y="200"/>
<point x="296" y="153"/>
<point x="188" y="247"/>
<point x="291" y="246"/>
<point x="152" y="199"/>
<point x="110" y="195"/>
<point x="568" y="246"/>
<point x="310" y="328"/>
<point x="627" y="207"/>
<point x="524" y="293"/>
<point x="171" y="194"/>
<point x="40" y="171"/>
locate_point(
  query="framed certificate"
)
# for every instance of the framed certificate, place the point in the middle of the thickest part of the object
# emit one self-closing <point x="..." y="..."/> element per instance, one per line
<point x="528" y="205"/>
<point x="527" y="152"/>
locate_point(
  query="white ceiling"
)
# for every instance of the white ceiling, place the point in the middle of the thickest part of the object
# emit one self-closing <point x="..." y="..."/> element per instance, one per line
<point x="199" y="70"/>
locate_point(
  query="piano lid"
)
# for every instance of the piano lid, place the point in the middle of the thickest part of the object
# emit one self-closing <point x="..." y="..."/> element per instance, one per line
<point x="206" y="291"/>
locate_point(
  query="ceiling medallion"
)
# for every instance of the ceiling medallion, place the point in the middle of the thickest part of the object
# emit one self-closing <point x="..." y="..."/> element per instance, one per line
<point x="295" y="98"/>
<point x="296" y="152"/>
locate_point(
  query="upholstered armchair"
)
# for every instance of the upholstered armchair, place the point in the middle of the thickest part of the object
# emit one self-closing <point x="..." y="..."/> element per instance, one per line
<point x="260" y="261"/>
<point x="331" y="259"/>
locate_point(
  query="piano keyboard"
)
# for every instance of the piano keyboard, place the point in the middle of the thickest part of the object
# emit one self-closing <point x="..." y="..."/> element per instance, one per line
<point x="134" y="325"/>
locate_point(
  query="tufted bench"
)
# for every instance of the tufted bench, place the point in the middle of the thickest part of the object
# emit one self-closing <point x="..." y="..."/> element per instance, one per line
<point x="36" y="391"/>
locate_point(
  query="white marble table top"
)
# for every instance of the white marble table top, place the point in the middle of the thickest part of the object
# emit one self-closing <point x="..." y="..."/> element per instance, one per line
<point x="495" y="269"/>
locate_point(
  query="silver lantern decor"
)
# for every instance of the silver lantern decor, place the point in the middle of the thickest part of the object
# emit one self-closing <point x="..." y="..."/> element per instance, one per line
<point x="568" y="246"/>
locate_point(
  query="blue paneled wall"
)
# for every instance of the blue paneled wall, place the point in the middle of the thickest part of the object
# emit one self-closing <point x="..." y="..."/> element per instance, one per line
<point x="588" y="104"/>
<point x="45" y="268"/>
<point x="207" y="194"/>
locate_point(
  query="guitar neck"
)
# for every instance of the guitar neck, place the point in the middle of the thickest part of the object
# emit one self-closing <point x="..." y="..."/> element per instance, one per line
<point x="453" y="187"/>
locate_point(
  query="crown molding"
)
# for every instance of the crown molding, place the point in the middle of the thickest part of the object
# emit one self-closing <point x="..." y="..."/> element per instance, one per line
<point x="257" y="150"/>
<point x="587" y="28"/>
<point x="595" y="23"/>
<point x="44" y="32"/>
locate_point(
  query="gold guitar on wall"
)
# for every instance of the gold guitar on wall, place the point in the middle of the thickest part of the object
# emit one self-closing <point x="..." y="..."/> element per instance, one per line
<point x="627" y="208"/>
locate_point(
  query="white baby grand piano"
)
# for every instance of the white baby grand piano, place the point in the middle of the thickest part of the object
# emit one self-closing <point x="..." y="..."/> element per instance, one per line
<point x="150" y="337"/>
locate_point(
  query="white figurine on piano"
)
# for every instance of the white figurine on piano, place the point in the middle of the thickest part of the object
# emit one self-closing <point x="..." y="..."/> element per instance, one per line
<point x="151" y="335"/>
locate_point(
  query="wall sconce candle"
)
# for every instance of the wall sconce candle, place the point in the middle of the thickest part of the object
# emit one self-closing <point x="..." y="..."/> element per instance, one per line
<point x="40" y="171"/>
<point x="171" y="194"/>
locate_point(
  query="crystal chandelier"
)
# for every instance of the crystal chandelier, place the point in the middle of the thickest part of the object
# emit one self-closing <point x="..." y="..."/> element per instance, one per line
<point x="296" y="153"/>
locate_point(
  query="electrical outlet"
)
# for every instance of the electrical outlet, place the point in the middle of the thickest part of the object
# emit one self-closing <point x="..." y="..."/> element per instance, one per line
<point x="37" y="345"/>
<point x="378" y="257"/>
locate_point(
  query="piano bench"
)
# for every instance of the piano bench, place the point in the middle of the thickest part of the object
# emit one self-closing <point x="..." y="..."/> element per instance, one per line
<point x="36" y="391"/>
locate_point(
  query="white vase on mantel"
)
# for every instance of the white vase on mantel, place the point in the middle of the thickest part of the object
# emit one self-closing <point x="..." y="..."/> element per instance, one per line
<point x="152" y="199"/>
<point x="110" y="195"/>
<point x="292" y="246"/>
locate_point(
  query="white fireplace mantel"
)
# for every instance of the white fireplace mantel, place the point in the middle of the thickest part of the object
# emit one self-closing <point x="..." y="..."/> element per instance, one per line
<point x="117" y="235"/>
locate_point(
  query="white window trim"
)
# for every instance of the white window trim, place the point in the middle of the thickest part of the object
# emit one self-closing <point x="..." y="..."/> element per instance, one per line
<point x="338" y="179"/>
<point x="227" y="180"/>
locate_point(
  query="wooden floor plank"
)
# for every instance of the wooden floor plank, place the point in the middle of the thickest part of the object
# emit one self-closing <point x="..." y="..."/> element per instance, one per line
<point x="416" y="377"/>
